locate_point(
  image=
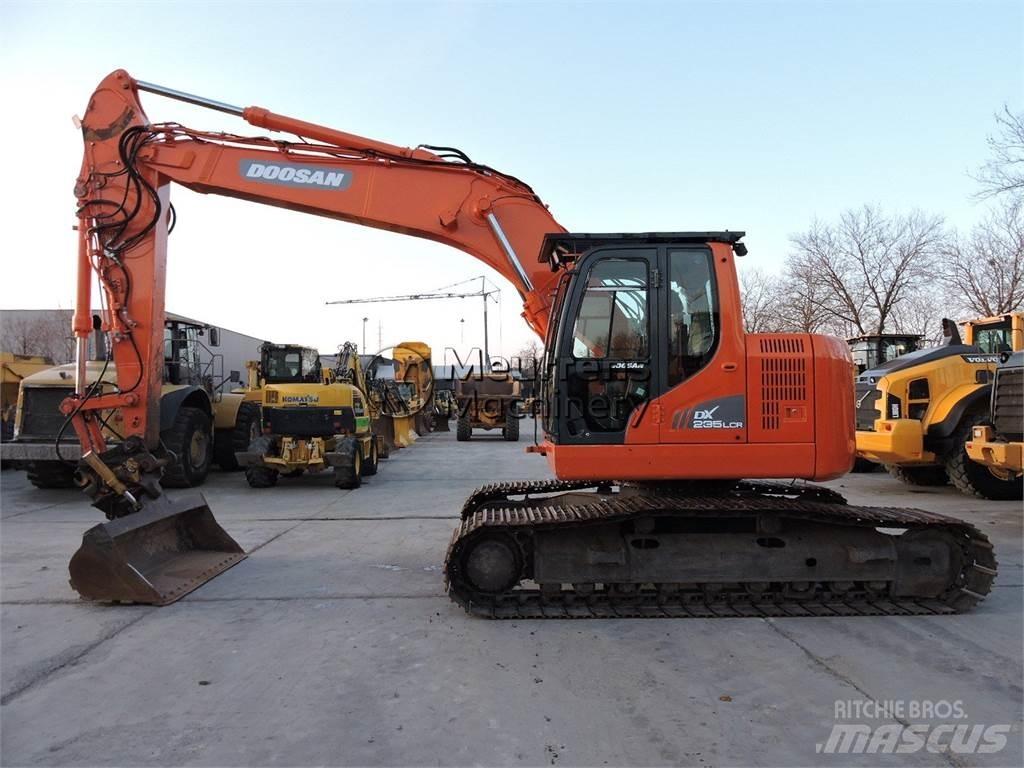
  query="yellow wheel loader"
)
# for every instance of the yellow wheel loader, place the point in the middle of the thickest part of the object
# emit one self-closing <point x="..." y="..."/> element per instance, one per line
<point x="917" y="413"/>
<point x="14" y="368"/>
<point x="197" y="421"/>
<point x="415" y="376"/>
<point x="871" y="350"/>
<point x="403" y="402"/>
<point x="312" y="419"/>
<point x="1000" y="444"/>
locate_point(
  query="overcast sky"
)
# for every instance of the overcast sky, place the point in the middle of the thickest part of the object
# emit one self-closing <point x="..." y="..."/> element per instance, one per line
<point x="624" y="117"/>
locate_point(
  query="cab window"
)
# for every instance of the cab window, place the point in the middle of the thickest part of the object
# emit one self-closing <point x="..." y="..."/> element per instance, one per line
<point x="993" y="339"/>
<point x="285" y="365"/>
<point x="310" y="365"/>
<point x="693" y="312"/>
<point x="612" y="320"/>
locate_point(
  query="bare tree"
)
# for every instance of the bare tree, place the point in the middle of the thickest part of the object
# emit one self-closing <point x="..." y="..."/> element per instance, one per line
<point x="760" y="294"/>
<point x="802" y="301"/>
<point x="858" y="271"/>
<point x="23" y="336"/>
<point x="923" y="310"/>
<point x="47" y="334"/>
<point x="528" y="358"/>
<point x="985" y="270"/>
<point x="1003" y="173"/>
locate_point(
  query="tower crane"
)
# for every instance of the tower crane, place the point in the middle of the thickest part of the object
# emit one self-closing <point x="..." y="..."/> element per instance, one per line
<point x="488" y="293"/>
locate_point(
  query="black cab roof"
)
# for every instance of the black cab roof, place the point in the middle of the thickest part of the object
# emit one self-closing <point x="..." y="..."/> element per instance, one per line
<point x="568" y="244"/>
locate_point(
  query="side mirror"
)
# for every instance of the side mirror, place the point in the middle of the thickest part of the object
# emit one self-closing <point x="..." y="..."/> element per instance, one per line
<point x="214" y="337"/>
<point x="235" y="377"/>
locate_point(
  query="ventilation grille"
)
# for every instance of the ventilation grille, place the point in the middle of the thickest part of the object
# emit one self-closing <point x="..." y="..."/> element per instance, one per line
<point x="41" y="416"/>
<point x="782" y="345"/>
<point x="1008" y="412"/>
<point x="783" y="379"/>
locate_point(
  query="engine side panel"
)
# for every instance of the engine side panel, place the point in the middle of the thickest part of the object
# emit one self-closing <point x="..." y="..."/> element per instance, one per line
<point x="835" y="436"/>
<point x="780" y="388"/>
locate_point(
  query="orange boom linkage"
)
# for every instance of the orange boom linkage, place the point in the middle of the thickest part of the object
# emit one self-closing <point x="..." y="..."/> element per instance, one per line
<point x="123" y="215"/>
<point x="655" y="401"/>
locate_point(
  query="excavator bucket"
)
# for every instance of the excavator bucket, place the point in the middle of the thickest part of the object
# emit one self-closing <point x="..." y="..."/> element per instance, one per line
<point x="155" y="556"/>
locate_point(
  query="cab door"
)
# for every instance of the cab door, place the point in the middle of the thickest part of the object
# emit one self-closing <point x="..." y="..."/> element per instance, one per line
<point x="605" y="361"/>
<point x="703" y="382"/>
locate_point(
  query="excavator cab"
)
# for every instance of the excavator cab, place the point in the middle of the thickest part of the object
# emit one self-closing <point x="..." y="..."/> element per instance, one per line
<point x="637" y="315"/>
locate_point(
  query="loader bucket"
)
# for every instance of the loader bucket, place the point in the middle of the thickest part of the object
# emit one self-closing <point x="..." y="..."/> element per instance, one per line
<point x="384" y="426"/>
<point x="155" y="556"/>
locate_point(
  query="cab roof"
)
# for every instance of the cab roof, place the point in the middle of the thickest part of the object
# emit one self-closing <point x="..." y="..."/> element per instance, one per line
<point x="570" y="244"/>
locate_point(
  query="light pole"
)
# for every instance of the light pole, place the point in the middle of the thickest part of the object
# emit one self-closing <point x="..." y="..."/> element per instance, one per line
<point x="462" y="330"/>
<point x="363" y="348"/>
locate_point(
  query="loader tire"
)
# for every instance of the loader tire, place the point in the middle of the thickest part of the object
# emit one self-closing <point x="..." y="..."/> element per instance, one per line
<point x="190" y="439"/>
<point x="370" y="464"/>
<point x="511" y="429"/>
<point x="923" y="476"/>
<point x="463" y="429"/>
<point x="975" y="479"/>
<point x="227" y="441"/>
<point x="50" y="474"/>
<point x="349" y="475"/>
<point x="257" y="475"/>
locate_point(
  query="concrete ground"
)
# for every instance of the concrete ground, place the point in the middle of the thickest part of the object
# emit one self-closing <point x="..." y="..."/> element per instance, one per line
<point x="334" y="643"/>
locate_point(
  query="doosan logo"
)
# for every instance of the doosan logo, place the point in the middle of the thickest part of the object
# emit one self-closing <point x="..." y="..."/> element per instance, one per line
<point x="293" y="175"/>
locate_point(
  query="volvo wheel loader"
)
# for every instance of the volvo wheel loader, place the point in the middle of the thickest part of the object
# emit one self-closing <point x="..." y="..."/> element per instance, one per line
<point x="999" y="445"/>
<point x="313" y="419"/>
<point x="917" y="413"/>
<point x="662" y="419"/>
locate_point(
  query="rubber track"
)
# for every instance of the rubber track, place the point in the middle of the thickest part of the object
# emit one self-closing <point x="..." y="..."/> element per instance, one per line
<point x="490" y="509"/>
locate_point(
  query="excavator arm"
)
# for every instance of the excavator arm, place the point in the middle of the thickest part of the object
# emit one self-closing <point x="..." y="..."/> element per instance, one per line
<point x="156" y="549"/>
<point x="125" y="214"/>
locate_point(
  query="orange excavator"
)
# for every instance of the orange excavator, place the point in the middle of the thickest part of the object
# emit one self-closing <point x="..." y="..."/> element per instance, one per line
<point x="661" y="418"/>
